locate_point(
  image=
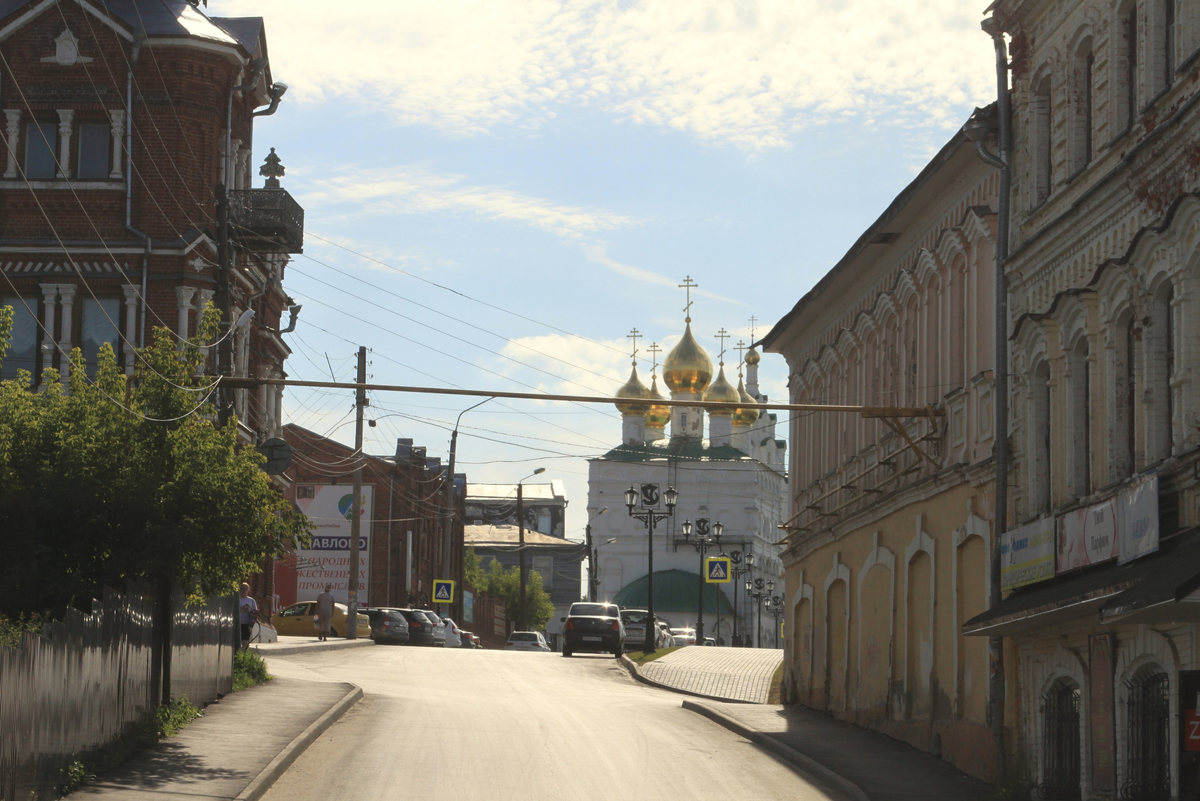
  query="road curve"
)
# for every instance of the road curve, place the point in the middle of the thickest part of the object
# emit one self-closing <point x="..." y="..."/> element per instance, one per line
<point x="496" y="725"/>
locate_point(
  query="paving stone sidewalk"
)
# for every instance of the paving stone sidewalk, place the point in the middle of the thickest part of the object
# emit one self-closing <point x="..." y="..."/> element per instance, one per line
<point x="884" y="769"/>
<point x="740" y="674"/>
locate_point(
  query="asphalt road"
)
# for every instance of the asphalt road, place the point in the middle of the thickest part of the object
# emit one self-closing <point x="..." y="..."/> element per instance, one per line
<point x="445" y="725"/>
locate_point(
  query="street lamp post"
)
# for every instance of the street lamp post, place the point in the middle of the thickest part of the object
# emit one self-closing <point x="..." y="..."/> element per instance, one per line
<point x="702" y="543"/>
<point x="651" y="518"/>
<point x="736" y="574"/>
<point x="775" y="606"/>
<point x="592" y="589"/>
<point x="521" y="532"/>
<point x="592" y="581"/>
<point x="755" y="589"/>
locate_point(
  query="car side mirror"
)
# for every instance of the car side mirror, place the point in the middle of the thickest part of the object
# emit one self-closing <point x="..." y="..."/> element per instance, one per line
<point x="562" y="620"/>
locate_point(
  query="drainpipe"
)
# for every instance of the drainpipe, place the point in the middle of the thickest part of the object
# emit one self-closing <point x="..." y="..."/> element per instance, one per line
<point x="136" y="51"/>
<point x="277" y="91"/>
<point x="976" y="130"/>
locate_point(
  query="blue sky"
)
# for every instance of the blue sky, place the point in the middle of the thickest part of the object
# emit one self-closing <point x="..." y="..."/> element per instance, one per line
<point x="570" y="163"/>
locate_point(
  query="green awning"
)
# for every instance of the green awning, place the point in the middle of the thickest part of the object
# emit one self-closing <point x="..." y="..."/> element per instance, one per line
<point x="674" y="591"/>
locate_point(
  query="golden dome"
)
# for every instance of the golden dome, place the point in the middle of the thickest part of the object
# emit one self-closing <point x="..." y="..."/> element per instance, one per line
<point x="752" y="357"/>
<point x="722" y="390"/>
<point x="745" y="417"/>
<point x="659" y="415"/>
<point x="633" y="389"/>
<point x="687" y="368"/>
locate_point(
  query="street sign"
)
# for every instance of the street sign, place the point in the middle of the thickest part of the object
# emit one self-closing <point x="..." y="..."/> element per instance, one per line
<point x="651" y="497"/>
<point x="278" y="454"/>
<point x="717" y="570"/>
<point x="443" y="591"/>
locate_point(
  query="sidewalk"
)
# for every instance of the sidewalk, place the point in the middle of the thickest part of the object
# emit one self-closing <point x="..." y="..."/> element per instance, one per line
<point x="305" y="645"/>
<point x="733" y="674"/>
<point x="219" y="756"/>
<point x="866" y="765"/>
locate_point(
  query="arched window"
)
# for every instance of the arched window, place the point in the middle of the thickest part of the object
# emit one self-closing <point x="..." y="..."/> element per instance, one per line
<point x="1081" y="107"/>
<point x="1160" y="368"/>
<point x="1060" y="747"/>
<point x="1041" y="491"/>
<point x="1148" y="736"/>
<point x="1080" y="419"/>
<point x="1040" y="113"/>
<point x="1129" y="20"/>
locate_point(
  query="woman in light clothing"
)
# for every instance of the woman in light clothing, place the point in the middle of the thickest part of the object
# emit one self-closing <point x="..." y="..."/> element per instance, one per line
<point x="324" y="613"/>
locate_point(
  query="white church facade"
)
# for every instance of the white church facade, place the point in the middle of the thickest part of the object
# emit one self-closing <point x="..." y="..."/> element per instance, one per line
<point x="736" y="476"/>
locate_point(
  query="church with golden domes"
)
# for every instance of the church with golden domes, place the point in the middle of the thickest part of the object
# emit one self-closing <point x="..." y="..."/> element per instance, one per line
<point x="728" y="466"/>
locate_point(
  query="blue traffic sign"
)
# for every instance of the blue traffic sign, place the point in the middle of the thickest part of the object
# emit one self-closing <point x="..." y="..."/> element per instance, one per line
<point x="717" y="570"/>
<point x="443" y="591"/>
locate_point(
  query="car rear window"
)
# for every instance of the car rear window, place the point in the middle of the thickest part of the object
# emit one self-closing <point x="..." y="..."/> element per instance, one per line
<point x="593" y="610"/>
<point x="433" y="618"/>
<point x="638" y="618"/>
<point x="521" y="636"/>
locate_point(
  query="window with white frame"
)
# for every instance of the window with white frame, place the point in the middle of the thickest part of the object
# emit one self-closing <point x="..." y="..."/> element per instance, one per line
<point x="101" y="318"/>
<point x="544" y="565"/>
<point x="22" y="344"/>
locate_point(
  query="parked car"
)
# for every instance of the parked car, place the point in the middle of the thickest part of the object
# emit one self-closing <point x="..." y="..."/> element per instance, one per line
<point x="388" y="625"/>
<point x="634" y="621"/>
<point x="594" y="627"/>
<point x="710" y="641"/>
<point x="668" y="639"/>
<point x="469" y="640"/>
<point x="420" y="630"/>
<point x="453" y="634"/>
<point x="297" y="621"/>
<point x="439" y="628"/>
<point x="684" y="636"/>
<point x="526" y="641"/>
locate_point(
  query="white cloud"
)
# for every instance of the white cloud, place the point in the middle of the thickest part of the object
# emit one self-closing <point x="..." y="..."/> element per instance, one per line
<point x="409" y="189"/>
<point x="598" y="253"/>
<point x="747" y="72"/>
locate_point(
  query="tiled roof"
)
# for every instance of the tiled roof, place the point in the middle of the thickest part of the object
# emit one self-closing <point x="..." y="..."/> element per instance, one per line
<point x="510" y="535"/>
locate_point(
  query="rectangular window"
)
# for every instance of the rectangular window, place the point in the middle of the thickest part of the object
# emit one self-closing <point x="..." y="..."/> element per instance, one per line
<point x="544" y="565"/>
<point x="41" y="144"/>
<point x="22" y="343"/>
<point x="100" y="320"/>
<point x="93" y="152"/>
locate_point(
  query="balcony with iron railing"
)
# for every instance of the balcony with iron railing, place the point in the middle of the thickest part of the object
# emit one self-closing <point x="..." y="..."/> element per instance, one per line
<point x="266" y="219"/>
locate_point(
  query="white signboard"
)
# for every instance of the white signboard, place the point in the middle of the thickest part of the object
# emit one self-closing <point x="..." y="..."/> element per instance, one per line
<point x="1137" y="518"/>
<point x="327" y="560"/>
<point x="1027" y="554"/>
<point x="1087" y="536"/>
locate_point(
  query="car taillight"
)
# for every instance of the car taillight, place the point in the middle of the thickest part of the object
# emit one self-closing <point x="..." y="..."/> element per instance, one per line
<point x="415" y="625"/>
<point x="570" y="623"/>
<point x="387" y="624"/>
<point x="616" y="626"/>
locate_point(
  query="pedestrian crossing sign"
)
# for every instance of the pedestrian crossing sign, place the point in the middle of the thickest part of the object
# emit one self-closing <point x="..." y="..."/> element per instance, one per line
<point x="443" y="591"/>
<point x="717" y="570"/>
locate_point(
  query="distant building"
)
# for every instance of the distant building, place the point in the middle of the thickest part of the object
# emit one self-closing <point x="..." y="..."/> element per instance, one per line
<point x="496" y="504"/>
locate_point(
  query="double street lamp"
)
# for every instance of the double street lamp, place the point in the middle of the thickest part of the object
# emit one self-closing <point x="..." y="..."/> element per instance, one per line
<point x="702" y="543"/>
<point x="758" y="590"/>
<point x="774" y="605"/>
<point x="650" y="517"/>
<point x="737" y="558"/>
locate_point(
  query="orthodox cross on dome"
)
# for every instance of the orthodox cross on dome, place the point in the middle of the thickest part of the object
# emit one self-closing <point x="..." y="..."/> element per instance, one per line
<point x="654" y="350"/>
<point x="272" y="170"/>
<point x="722" y="335"/>
<point x="688" y="285"/>
<point x="753" y="320"/>
<point x="635" y="335"/>
<point x="741" y="348"/>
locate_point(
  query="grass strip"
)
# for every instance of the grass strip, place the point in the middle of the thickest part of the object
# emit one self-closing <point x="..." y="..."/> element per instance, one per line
<point x="641" y="658"/>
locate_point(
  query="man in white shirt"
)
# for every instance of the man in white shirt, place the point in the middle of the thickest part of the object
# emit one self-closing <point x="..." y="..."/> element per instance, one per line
<point x="249" y="614"/>
<point x="324" y="613"/>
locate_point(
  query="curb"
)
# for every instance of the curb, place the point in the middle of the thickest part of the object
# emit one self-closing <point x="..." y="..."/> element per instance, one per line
<point x="632" y="667"/>
<point x="313" y="647"/>
<point x="277" y="766"/>
<point x="806" y="765"/>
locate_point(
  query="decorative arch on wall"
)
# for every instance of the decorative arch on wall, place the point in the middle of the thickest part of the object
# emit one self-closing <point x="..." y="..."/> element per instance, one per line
<point x="1062" y="664"/>
<point x="802" y="630"/>
<point x="978" y="528"/>
<point x="1147" y="647"/>
<point x="839" y="572"/>
<point x="882" y="558"/>
<point x="921" y="543"/>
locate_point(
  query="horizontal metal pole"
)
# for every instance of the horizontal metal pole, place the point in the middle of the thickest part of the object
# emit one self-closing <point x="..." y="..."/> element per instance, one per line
<point x="866" y="411"/>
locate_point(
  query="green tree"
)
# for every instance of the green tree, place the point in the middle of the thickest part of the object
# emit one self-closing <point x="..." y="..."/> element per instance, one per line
<point x="128" y="478"/>
<point x="506" y="583"/>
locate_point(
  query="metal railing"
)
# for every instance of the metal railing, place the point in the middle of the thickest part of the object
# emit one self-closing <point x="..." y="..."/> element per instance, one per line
<point x="89" y="678"/>
<point x="267" y="215"/>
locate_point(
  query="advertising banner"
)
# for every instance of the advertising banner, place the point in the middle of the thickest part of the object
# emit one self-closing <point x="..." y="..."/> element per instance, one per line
<point x="327" y="560"/>
<point x="1027" y="554"/>
<point x="1087" y="536"/>
<point x="1137" y="518"/>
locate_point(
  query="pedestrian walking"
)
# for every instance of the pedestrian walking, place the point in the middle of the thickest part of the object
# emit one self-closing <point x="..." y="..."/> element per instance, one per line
<point x="249" y="613"/>
<point x="324" y="613"/>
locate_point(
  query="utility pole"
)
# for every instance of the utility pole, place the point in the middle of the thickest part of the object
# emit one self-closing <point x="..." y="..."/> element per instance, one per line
<point x="224" y="362"/>
<point x="448" y="531"/>
<point x="591" y="592"/>
<point x="360" y="402"/>
<point x="521" y="529"/>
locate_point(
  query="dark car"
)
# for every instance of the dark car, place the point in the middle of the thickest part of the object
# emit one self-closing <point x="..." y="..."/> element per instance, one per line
<point x="420" y="630"/>
<point x="387" y="624"/>
<point x="593" y="627"/>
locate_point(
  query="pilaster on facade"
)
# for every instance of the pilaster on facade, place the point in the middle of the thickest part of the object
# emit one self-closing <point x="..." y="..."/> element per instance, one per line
<point x="12" y="129"/>
<point x="183" y="301"/>
<point x="132" y="296"/>
<point x="66" y="294"/>
<point x="66" y="124"/>
<point x="117" y="121"/>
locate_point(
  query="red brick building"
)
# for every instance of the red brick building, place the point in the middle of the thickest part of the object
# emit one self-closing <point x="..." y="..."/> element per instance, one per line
<point x="121" y="122"/>
<point x="409" y="543"/>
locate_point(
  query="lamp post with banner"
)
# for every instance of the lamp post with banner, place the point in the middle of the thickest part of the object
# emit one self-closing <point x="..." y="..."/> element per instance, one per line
<point x="650" y="499"/>
<point x="702" y="542"/>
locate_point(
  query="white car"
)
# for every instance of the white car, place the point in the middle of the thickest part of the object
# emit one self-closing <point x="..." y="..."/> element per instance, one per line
<point x="684" y="636"/>
<point x="526" y="641"/>
<point x="453" y="634"/>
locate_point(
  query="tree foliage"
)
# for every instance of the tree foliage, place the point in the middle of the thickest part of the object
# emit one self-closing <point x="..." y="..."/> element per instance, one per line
<point x="128" y="478"/>
<point x="506" y="583"/>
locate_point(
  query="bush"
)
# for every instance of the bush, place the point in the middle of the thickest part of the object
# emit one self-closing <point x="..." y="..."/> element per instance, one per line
<point x="249" y="669"/>
<point x="171" y="719"/>
<point x="11" y="630"/>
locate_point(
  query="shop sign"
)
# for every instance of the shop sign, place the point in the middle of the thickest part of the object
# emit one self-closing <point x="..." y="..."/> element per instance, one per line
<point x="1087" y="536"/>
<point x="1027" y="554"/>
<point x="330" y="508"/>
<point x="1137" y="518"/>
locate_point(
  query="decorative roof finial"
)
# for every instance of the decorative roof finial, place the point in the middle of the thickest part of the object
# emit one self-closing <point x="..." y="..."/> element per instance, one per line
<point x="272" y="169"/>
<point x="654" y="351"/>
<point x="688" y="285"/>
<point x="635" y="335"/>
<point x="721" y="335"/>
<point x="753" y="320"/>
<point x="740" y="347"/>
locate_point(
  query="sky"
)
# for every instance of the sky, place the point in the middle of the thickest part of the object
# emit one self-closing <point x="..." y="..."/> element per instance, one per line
<point x="497" y="192"/>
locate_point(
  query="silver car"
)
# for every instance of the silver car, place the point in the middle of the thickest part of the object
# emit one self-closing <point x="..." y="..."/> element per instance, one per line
<point x="526" y="641"/>
<point x="635" y="629"/>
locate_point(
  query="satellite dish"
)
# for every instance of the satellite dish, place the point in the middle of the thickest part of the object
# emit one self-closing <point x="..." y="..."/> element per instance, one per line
<point x="278" y="453"/>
